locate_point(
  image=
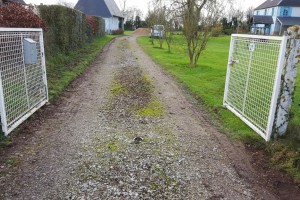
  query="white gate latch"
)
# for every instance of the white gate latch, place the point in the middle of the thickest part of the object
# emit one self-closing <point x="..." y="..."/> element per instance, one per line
<point x="251" y="47"/>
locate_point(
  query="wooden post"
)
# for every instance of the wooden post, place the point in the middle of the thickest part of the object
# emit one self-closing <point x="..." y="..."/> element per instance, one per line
<point x="283" y="114"/>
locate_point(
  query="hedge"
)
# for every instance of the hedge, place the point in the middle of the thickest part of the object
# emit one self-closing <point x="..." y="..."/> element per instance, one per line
<point x="18" y="16"/>
<point x="65" y="29"/>
<point x="68" y="29"/>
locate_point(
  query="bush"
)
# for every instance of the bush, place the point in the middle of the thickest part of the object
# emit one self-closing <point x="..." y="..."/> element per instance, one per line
<point x="18" y="16"/>
<point x="216" y="31"/>
<point x="228" y="31"/>
<point x="117" y="32"/>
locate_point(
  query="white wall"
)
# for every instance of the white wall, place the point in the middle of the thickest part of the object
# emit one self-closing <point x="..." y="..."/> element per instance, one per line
<point x="296" y="12"/>
<point x="272" y="28"/>
<point x="276" y="11"/>
<point x="263" y="12"/>
<point x="111" y="24"/>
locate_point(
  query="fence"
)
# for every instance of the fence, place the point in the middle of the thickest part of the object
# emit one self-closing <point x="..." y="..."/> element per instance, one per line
<point x="254" y="83"/>
<point x="23" y="84"/>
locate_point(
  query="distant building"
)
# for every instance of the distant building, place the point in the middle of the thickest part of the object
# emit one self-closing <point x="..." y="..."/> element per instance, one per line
<point x="107" y="9"/>
<point x="273" y="17"/>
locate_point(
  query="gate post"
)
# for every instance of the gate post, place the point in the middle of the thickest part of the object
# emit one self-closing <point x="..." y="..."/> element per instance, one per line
<point x="284" y="103"/>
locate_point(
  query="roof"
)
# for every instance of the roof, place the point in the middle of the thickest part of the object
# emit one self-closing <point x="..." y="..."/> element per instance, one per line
<point x="102" y="8"/>
<point x="274" y="3"/>
<point x="289" y="21"/>
<point x="259" y="19"/>
<point x="15" y="1"/>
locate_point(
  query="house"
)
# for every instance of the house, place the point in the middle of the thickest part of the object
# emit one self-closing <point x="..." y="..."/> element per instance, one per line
<point x="107" y="9"/>
<point x="273" y="17"/>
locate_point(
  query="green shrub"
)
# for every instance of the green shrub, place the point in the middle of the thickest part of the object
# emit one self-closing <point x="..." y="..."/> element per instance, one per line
<point x="216" y="31"/>
<point x="228" y="31"/>
<point x="68" y="29"/>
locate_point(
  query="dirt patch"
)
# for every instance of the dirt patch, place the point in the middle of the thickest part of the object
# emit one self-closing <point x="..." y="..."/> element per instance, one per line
<point x="274" y="179"/>
<point x="141" y="31"/>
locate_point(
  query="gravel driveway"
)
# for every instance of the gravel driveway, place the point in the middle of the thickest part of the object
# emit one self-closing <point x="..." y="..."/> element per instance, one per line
<point x="123" y="130"/>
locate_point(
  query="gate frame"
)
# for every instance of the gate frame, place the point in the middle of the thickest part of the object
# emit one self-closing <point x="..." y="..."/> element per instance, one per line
<point x="276" y="85"/>
<point x="38" y="106"/>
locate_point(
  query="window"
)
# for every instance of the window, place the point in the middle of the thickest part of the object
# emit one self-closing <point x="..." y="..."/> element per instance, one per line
<point x="285" y="12"/>
<point x="272" y="11"/>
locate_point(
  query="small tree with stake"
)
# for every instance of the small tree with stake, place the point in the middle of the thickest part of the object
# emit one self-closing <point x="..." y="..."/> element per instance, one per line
<point x="198" y="18"/>
<point x="169" y="24"/>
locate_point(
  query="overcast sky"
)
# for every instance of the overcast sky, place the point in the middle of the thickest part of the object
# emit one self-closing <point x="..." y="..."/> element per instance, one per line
<point x="143" y="4"/>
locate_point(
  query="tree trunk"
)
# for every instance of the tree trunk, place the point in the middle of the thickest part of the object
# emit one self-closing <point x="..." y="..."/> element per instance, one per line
<point x="160" y="42"/>
<point x="169" y="47"/>
<point x="191" y="55"/>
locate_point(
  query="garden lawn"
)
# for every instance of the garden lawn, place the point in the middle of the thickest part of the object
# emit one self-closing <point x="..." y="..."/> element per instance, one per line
<point x="127" y="32"/>
<point x="207" y="82"/>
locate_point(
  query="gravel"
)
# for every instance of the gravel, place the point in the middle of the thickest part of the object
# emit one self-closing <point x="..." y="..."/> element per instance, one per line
<point x="124" y="130"/>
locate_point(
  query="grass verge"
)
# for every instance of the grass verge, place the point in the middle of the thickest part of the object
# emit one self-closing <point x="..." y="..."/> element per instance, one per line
<point x="62" y="69"/>
<point x="207" y="82"/>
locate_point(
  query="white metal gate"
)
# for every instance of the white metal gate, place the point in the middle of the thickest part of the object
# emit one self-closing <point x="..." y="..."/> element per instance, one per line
<point x="253" y="80"/>
<point x="23" y="83"/>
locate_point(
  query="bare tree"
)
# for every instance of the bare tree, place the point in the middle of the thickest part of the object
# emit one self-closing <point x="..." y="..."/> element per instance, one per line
<point x="191" y="15"/>
<point x="198" y="18"/>
<point x="249" y="17"/>
<point x="156" y="16"/>
<point x="122" y="4"/>
<point x="170" y="21"/>
<point x="169" y="32"/>
<point x="132" y="12"/>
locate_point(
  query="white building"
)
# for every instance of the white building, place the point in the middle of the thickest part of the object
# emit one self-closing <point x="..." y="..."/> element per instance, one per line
<point x="273" y="17"/>
<point x="107" y="9"/>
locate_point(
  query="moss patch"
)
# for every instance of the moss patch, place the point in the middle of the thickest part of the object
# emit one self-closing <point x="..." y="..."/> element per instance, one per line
<point x="153" y="109"/>
<point x="118" y="89"/>
<point x="12" y="161"/>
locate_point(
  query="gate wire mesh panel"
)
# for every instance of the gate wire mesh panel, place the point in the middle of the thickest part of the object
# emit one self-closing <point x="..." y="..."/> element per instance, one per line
<point x="24" y="86"/>
<point x="252" y="77"/>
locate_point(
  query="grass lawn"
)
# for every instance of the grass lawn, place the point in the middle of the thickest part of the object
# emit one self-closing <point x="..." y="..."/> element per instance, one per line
<point x="207" y="81"/>
<point x="62" y="69"/>
<point x="126" y="32"/>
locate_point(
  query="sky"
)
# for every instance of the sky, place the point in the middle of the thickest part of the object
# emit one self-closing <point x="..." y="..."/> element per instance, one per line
<point x="143" y="4"/>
